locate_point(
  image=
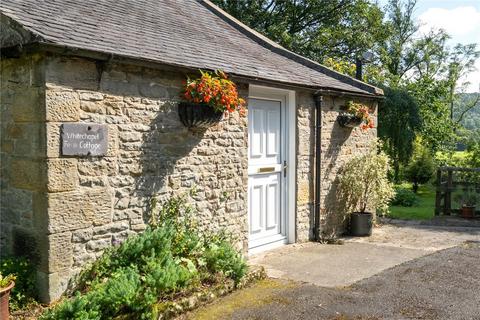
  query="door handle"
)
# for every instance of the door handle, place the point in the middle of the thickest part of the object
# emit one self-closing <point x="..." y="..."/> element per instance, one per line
<point x="285" y="169"/>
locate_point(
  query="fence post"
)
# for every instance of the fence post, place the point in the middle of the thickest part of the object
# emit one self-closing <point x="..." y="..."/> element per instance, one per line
<point x="448" y="193"/>
<point x="438" y="194"/>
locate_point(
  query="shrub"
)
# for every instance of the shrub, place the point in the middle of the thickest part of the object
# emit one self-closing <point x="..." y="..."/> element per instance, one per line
<point x="420" y="170"/>
<point x="24" y="291"/>
<point x="404" y="197"/>
<point x="363" y="182"/>
<point x="171" y="256"/>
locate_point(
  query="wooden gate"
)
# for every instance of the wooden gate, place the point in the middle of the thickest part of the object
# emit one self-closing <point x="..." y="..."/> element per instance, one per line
<point x="451" y="179"/>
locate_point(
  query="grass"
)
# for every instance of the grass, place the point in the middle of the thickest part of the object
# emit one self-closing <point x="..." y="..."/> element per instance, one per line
<point x="454" y="159"/>
<point x="423" y="210"/>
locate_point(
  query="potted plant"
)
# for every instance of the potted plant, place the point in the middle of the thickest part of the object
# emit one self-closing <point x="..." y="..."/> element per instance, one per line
<point x="363" y="185"/>
<point x="468" y="200"/>
<point x="356" y="114"/>
<point x="6" y="285"/>
<point x="207" y="99"/>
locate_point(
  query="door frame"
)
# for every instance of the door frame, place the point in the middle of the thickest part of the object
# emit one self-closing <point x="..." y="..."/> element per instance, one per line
<point x="288" y="96"/>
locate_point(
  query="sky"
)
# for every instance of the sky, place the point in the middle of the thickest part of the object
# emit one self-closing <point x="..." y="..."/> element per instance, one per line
<point x="459" y="18"/>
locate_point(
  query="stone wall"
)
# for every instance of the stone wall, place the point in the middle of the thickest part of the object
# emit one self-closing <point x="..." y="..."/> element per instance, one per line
<point x="151" y="155"/>
<point x="338" y="145"/>
<point x="23" y="176"/>
<point x="305" y="165"/>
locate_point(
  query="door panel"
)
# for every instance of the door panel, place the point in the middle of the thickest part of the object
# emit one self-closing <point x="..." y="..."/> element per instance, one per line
<point x="267" y="221"/>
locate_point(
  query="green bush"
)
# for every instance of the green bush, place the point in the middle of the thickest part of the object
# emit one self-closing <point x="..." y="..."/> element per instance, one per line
<point x="404" y="197"/>
<point x="171" y="256"/>
<point x="420" y="170"/>
<point x="24" y="291"/>
<point x="363" y="182"/>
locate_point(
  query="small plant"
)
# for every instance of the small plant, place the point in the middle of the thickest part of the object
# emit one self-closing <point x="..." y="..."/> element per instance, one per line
<point x="5" y="281"/>
<point x="24" y="291"/>
<point x="362" y="112"/>
<point x="468" y="198"/>
<point x="215" y="90"/>
<point x="363" y="182"/>
<point x="404" y="197"/>
<point x="172" y="257"/>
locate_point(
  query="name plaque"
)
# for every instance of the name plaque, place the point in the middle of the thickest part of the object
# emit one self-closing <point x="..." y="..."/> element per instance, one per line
<point x="84" y="139"/>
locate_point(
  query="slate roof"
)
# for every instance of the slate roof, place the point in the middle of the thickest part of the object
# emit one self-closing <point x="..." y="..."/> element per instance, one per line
<point x="187" y="33"/>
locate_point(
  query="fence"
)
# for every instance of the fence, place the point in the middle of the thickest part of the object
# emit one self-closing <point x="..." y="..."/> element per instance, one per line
<point x="454" y="181"/>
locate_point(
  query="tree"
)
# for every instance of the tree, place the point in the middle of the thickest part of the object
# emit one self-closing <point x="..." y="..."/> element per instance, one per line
<point x="420" y="170"/>
<point x="400" y="122"/>
<point x="317" y="29"/>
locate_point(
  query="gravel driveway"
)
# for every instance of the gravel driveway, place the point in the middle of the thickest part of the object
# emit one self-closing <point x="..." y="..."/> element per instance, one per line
<point x="442" y="285"/>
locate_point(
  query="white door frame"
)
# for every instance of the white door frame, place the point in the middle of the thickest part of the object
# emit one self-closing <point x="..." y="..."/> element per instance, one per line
<point x="268" y="93"/>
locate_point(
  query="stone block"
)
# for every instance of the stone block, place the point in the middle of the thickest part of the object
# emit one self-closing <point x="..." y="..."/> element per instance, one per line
<point x="62" y="175"/>
<point x="56" y="252"/>
<point x="91" y="96"/>
<point x="28" y="174"/>
<point x="51" y="286"/>
<point x="82" y="235"/>
<point x="79" y="209"/>
<point x="71" y="72"/>
<point x="97" y="166"/>
<point x="28" y="105"/>
<point x="53" y="131"/>
<point x="112" y="140"/>
<point x="99" y="245"/>
<point x="62" y="105"/>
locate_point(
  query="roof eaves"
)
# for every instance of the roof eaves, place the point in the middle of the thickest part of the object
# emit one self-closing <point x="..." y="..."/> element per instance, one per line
<point x="275" y="47"/>
<point x="24" y="34"/>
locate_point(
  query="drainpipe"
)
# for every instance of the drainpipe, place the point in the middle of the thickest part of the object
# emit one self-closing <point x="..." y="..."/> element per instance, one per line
<point x="318" y="130"/>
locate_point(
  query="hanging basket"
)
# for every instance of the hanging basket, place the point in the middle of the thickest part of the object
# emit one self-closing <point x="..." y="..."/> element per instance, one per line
<point x="348" y="120"/>
<point x="194" y="115"/>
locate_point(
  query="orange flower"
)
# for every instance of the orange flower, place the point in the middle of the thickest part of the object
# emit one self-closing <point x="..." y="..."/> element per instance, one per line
<point x="214" y="90"/>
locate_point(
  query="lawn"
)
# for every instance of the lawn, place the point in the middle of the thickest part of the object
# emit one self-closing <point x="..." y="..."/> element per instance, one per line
<point x="423" y="210"/>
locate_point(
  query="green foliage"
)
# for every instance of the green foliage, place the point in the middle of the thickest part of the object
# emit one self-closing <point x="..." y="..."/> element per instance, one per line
<point x="363" y="182"/>
<point x="466" y="110"/>
<point x="317" y="29"/>
<point x="399" y="122"/>
<point x="5" y="281"/>
<point x="24" y="291"/>
<point x="468" y="197"/>
<point x="404" y="197"/>
<point x="171" y="256"/>
<point x="221" y="257"/>
<point x="420" y="170"/>
<point x="473" y="156"/>
<point x="423" y="210"/>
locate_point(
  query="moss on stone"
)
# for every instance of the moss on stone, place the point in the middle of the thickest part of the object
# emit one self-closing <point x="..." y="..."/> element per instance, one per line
<point x="262" y="293"/>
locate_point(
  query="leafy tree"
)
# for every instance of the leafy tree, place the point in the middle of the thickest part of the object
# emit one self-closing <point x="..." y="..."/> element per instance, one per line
<point x="317" y="29"/>
<point x="461" y="62"/>
<point x="420" y="170"/>
<point x="400" y="122"/>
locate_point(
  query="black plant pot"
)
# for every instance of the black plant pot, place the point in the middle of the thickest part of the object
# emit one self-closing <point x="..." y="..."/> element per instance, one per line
<point x="348" y="120"/>
<point x="361" y="224"/>
<point x="194" y="115"/>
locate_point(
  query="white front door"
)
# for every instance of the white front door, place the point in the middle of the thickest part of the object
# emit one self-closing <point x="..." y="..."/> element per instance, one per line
<point x="266" y="170"/>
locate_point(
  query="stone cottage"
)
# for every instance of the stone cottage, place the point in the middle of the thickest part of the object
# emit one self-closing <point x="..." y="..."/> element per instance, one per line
<point x="109" y="73"/>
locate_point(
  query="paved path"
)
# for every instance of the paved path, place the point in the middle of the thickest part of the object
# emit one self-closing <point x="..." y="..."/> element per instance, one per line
<point x="404" y="271"/>
<point x="360" y="258"/>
